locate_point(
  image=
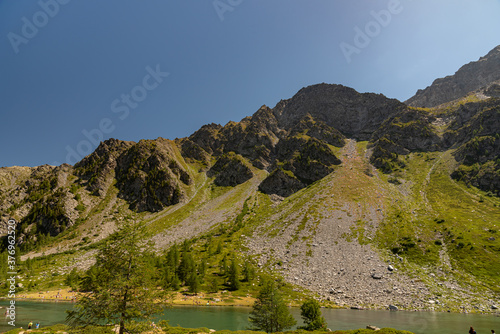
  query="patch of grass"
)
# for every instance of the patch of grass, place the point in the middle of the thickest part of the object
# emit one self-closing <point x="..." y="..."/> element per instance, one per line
<point x="466" y="216"/>
<point x="440" y="215"/>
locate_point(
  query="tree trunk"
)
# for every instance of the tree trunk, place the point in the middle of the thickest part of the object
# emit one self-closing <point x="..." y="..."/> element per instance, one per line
<point x="124" y="306"/>
<point x="122" y="324"/>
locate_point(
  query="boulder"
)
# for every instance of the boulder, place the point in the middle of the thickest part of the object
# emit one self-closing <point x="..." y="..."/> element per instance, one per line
<point x="373" y="328"/>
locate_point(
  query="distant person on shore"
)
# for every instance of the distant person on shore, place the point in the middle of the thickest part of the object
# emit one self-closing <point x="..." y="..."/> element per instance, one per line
<point x="37" y="325"/>
<point x="492" y="331"/>
<point x="30" y="325"/>
<point x="472" y="331"/>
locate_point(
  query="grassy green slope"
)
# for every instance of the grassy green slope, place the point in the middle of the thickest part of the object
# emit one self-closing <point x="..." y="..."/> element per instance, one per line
<point x="437" y="225"/>
<point x="443" y="226"/>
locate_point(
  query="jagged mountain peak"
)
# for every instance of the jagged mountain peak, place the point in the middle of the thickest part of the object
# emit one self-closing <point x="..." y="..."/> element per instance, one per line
<point x="354" y="114"/>
<point x="469" y="78"/>
<point x="494" y="53"/>
<point x="341" y="218"/>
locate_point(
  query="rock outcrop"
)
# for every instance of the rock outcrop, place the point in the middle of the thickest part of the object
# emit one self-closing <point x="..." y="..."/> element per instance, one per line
<point x="281" y="182"/>
<point x="468" y="78"/>
<point x="408" y="131"/>
<point x="149" y="177"/>
<point x="479" y="153"/>
<point x="354" y="114"/>
<point x="40" y="196"/>
<point x="230" y="170"/>
<point x="325" y="238"/>
<point x="98" y="167"/>
<point x="300" y="161"/>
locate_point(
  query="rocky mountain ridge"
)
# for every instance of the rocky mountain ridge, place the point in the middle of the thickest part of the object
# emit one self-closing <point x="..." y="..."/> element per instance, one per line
<point x="482" y="76"/>
<point x="329" y="176"/>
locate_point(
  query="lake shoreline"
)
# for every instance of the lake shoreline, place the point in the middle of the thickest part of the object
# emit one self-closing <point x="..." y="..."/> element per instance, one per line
<point x="236" y="318"/>
<point x="200" y="301"/>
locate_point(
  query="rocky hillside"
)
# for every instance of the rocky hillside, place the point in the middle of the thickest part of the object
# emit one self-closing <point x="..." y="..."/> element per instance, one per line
<point x="477" y="136"/>
<point x="360" y="199"/>
<point x="353" y="114"/>
<point x="482" y="76"/>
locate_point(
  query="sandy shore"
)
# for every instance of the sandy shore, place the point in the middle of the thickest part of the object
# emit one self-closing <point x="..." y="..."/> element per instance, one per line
<point x="201" y="299"/>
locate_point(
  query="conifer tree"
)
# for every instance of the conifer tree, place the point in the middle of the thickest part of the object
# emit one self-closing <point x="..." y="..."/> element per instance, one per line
<point x="311" y="315"/>
<point x="186" y="267"/>
<point x="233" y="275"/>
<point x="212" y="284"/>
<point x="176" y="283"/>
<point x="219" y="248"/>
<point x="223" y="266"/>
<point x="72" y="279"/>
<point x="194" y="283"/>
<point x="248" y="272"/>
<point x="173" y="257"/>
<point x="270" y="312"/>
<point x="202" y="268"/>
<point x="122" y="286"/>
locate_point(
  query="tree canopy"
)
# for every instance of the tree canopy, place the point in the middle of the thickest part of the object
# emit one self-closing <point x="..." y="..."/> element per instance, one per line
<point x="311" y="315"/>
<point x="270" y="312"/>
<point x="122" y="286"/>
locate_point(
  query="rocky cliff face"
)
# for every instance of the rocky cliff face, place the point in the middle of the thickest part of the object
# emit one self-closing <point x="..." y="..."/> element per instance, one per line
<point x="291" y="140"/>
<point x="294" y="142"/>
<point x="471" y="77"/>
<point x="299" y="162"/>
<point x="408" y="131"/>
<point x="354" y="114"/>
<point x="230" y="170"/>
<point x="98" y="168"/>
<point x="477" y="135"/>
<point x="296" y="153"/>
<point x="149" y="175"/>
<point x="253" y="138"/>
<point x="41" y="196"/>
<point x="325" y="237"/>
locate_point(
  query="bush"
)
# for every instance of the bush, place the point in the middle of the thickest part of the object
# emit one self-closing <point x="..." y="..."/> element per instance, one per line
<point x="311" y="314"/>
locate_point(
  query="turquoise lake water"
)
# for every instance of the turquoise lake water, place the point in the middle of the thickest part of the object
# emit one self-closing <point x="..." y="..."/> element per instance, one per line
<point x="235" y="318"/>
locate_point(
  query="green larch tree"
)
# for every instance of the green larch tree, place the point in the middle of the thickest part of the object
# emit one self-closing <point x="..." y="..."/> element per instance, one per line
<point x="310" y="311"/>
<point x="270" y="312"/>
<point x="122" y="287"/>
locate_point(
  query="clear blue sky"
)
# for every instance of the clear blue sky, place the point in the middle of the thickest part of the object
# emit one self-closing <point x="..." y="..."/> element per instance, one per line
<point x="84" y="65"/>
